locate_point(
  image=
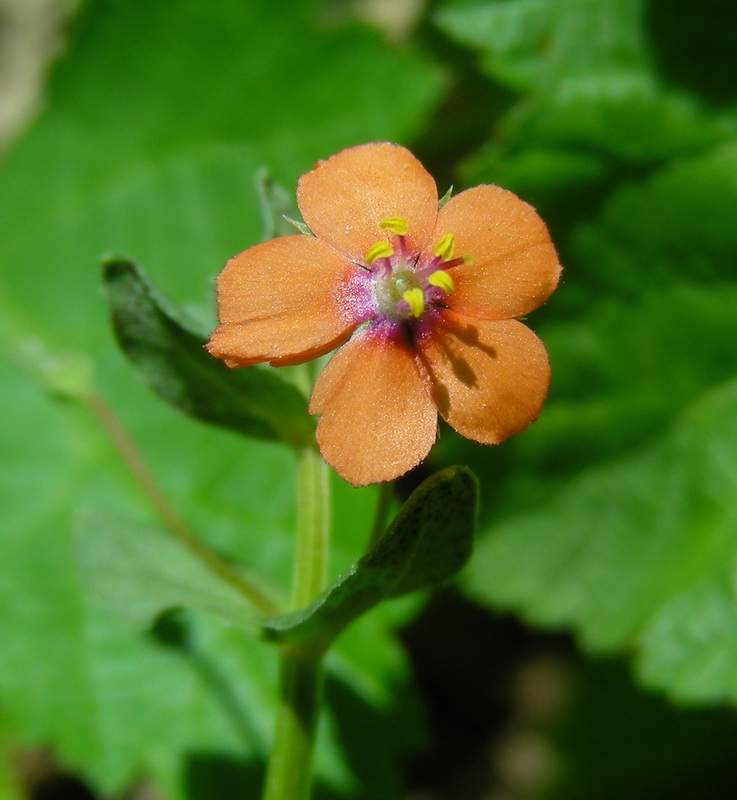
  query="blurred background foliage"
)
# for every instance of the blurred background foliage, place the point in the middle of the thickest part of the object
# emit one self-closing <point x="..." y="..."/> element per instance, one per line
<point x="609" y="528"/>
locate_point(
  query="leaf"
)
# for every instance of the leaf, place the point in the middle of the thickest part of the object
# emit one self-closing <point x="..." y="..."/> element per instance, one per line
<point x="616" y="382"/>
<point x="637" y="555"/>
<point x="255" y="402"/>
<point x="100" y="691"/>
<point x="628" y="116"/>
<point x="585" y="69"/>
<point x="538" y="170"/>
<point x="531" y="45"/>
<point x="430" y="539"/>
<point x="141" y="572"/>
<point x="678" y="223"/>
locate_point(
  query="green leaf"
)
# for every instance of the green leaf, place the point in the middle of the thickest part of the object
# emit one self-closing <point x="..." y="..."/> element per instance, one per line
<point x="537" y="170"/>
<point x="532" y="45"/>
<point x="77" y="678"/>
<point x="141" y="572"/>
<point x="255" y="402"/>
<point x="676" y="225"/>
<point x="429" y="540"/>
<point x="637" y="555"/>
<point x="616" y="381"/>
<point x="622" y="115"/>
<point x="586" y="72"/>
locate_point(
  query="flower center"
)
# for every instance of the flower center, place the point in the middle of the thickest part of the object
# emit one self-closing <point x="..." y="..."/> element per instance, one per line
<point x="406" y="285"/>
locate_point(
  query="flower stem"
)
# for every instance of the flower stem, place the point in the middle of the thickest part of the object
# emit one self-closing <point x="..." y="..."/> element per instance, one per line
<point x="313" y="528"/>
<point x="289" y="774"/>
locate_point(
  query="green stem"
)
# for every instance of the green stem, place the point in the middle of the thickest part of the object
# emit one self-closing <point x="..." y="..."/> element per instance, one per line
<point x="313" y="528"/>
<point x="289" y="774"/>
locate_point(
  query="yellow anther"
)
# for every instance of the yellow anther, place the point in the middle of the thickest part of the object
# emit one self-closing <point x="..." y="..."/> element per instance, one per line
<point x="395" y="225"/>
<point x="379" y="250"/>
<point x="442" y="280"/>
<point x="415" y="300"/>
<point x="467" y="258"/>
<point x="445" y="248"/>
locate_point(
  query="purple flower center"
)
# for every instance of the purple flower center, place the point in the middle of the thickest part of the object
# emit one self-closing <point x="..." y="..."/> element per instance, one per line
<point x="392" y="287"/>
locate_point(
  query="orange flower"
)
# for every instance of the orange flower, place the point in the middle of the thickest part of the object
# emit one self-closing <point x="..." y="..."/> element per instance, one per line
<point x="423" y="302"/>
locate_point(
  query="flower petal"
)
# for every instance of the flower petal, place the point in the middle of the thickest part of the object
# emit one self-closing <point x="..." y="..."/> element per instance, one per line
<point x="280" y="302"/>
<point x="490" y="378"/>
<point x="344" y="198"/>
<point x="378" y="420"/>
<point x="514" y="265"/>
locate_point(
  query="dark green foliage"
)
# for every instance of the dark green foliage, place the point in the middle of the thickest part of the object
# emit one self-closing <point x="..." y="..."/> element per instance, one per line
<point x="255" y="402"/>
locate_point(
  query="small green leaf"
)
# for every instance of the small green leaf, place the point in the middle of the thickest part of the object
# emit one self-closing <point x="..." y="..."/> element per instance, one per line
<point x="429" y="540"/>
<point x="255" y="402"/>
<point x="141" y="572"/>
<point x="444" y="199"/>
<point x="298" y="226"/>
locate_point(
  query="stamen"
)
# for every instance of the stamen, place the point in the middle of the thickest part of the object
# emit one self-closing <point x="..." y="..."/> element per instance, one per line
<point x="456" y="262"/>
<point x="415" y="299"/>
<point x="445" y="248"/>
<point x="378" y="250"/>
<point x="396" y="225"/>
<point x="442" y="280"/>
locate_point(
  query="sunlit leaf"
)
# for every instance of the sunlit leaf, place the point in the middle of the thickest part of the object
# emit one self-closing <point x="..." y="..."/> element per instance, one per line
<point x="587" y="75"/>
<point x="534" y="44"/>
